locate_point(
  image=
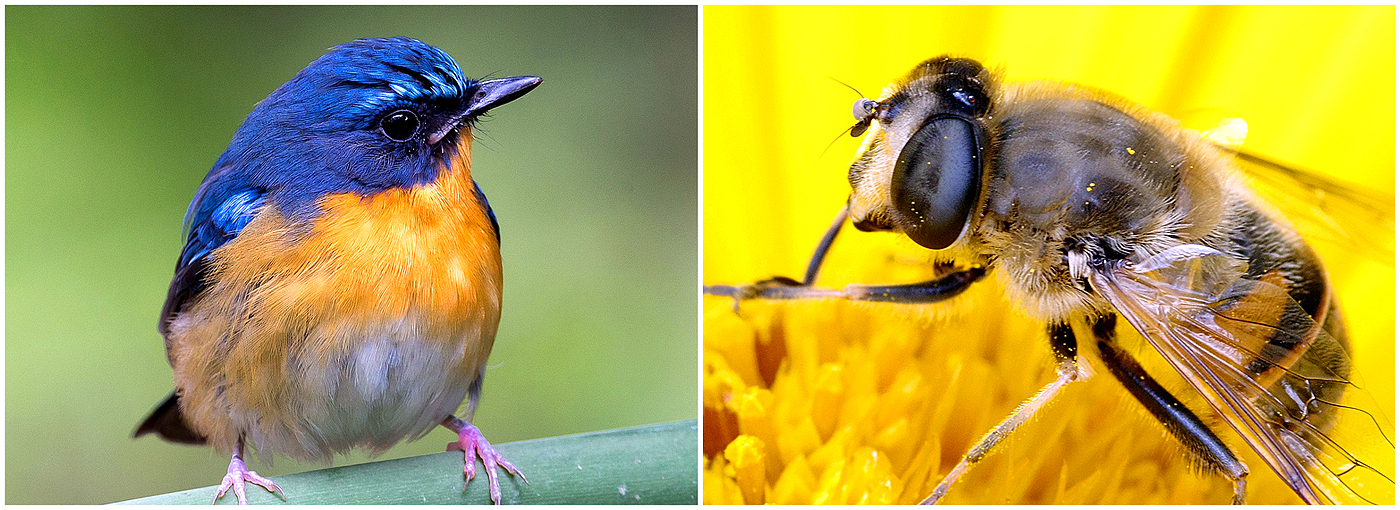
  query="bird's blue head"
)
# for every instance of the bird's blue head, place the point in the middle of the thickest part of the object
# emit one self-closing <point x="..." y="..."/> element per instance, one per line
<point x="369" y="115"/>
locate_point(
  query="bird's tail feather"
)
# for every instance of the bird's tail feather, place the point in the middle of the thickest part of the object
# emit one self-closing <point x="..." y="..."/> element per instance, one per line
<point x="167" y="422"/>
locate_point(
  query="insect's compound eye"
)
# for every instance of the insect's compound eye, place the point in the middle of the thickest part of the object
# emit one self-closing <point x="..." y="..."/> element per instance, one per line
<point x="970" y="101"/>
<point x="864" y="108"/>
<point x="936" y="181"/>
<point x="399" y="125"/>
<point x="965" y="97"/>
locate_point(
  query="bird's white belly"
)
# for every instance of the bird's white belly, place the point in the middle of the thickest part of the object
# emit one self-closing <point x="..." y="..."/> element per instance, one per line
<point x="389" y="386"/>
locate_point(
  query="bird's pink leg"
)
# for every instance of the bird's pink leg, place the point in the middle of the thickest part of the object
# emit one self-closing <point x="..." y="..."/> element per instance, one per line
<point x="238" y="473"/>
<point x="471" y="443"/>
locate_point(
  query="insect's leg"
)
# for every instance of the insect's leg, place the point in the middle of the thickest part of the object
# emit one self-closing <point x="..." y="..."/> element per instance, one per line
<point x="1209" y="452"/>
<point x="1066" y="350"/>
<point x="931" y="291"/>
<point x="780" y="287"/>
<point x="815" y="264"/>
<point x="947" y="285"/>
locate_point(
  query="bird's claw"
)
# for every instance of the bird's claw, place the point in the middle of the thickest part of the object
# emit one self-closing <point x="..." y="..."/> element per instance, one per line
<point x="238" y="474"/>
<point x="472" y="443"/>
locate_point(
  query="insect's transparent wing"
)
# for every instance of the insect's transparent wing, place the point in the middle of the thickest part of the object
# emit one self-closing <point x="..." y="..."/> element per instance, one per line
<point x="1359" y="218"/>
<point x="1226" y="334"/>
<point x="1323" y="209"/>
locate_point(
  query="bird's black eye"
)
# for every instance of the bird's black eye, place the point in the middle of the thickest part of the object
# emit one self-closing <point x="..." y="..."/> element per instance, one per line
<point x="399" y="125"/>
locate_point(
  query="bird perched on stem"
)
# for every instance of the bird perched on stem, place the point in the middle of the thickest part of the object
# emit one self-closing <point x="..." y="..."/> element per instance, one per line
<point x="340" y="285"/>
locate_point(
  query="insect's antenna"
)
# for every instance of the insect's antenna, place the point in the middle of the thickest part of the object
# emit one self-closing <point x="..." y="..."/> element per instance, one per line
<point x="850" y="130"/>
<point x="833" y="141"/>
<point x="857" y="91"/>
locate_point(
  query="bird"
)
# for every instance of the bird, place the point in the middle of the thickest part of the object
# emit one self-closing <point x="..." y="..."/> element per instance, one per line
<point x="340" y="283"/>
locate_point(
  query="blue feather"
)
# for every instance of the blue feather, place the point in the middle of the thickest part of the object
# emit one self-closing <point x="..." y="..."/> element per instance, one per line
<point x="318" y="133"/>
<point x="481" y="197"/>
<point x="206" y="234"/>
<point x="221" y="226"/>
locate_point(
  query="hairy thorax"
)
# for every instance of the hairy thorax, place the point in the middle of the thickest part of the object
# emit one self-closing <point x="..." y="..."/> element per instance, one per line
<point x="1085" y="178"/>
<point x="364" y="328"/>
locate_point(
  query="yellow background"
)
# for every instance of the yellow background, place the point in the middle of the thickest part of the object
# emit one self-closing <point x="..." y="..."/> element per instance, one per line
<point x="1316" y="85"/>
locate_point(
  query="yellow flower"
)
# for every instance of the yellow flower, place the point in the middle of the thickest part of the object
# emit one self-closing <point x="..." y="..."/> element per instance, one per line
<point x="832" y="402"/>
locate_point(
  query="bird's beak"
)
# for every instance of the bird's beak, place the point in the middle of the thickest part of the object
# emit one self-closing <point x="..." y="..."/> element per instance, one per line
<point x="489" y="94"/>
<point x="493" y="93"/>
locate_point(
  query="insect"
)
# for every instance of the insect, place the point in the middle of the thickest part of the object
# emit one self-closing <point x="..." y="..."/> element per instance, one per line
<point x="1086" y="208"/>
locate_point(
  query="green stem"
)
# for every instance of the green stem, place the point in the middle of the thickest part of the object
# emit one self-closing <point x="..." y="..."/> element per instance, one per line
<point x="651" y="464"/>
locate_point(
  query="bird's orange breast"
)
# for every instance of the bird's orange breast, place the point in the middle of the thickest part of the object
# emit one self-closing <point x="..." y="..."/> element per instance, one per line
<point x="359" y="329"/>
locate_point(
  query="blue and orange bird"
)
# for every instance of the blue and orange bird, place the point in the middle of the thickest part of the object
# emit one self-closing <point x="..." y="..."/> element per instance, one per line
<point x="340" y="285"/>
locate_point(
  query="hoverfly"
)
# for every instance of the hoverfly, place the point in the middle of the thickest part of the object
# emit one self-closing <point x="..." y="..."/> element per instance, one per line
<point x="1086" y="208"/>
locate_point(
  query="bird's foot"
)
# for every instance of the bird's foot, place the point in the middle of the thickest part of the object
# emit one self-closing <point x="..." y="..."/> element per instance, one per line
<point x="472" y="443"/>
<point x="238" y="474"/>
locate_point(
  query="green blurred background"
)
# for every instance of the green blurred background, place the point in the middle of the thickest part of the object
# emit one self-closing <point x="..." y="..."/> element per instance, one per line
<point x="114" y="114"/>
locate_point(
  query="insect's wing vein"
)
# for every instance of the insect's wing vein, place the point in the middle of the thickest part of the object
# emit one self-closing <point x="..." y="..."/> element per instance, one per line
<point x="1214" y="335"/>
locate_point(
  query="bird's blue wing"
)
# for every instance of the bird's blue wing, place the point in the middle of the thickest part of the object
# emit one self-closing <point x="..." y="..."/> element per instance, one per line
<point x="210" y="226"/>
<point x="496" y="227"/>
